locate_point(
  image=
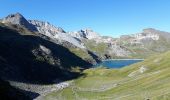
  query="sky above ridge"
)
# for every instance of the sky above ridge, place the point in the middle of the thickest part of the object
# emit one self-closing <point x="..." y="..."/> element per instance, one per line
<point x="107" y="17"/>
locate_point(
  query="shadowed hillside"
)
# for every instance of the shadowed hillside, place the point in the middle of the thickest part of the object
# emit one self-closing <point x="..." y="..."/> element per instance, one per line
<point x="8" y="92"/>
<point x="32" y="59"/>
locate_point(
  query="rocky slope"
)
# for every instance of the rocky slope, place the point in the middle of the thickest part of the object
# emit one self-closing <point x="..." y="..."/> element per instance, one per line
<point x="139" y="45"/>
<point x="148" y="42"/>
<point x="28" y="58"/>
<point x="53" y="32"/>
<point x="44" y="28"/>
<point x="85" y="33"/>
<point x="18" y="19"/>
<point x="50" y="32"/>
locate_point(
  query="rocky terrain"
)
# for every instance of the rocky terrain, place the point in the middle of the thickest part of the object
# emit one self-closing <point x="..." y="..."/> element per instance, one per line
<point x="53" y="32"/>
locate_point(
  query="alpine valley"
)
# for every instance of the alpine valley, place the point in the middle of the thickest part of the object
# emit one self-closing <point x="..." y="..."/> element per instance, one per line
<point x="44" y="62"/>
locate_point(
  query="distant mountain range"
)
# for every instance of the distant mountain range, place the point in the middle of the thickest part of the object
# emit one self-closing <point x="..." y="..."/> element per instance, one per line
<point x="104" y="47"/>
<point x="37" y="52"/>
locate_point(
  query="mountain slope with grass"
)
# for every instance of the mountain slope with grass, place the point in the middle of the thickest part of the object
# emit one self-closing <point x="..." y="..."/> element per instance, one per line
<point x="147" y="80"/>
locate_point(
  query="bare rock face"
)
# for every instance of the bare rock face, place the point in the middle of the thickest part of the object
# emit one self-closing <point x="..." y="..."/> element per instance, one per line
<point x="78" y="35"/>
<point x="53" y="32"/>
<point x="18" y="19"/>
<point x="85" y="33"/>
<point x="89" y="34"/>
<point x="119" y="51"/>
<point x="150" y="34"/>
<point x="46" y="28"/>
<point x="43" y="28"/>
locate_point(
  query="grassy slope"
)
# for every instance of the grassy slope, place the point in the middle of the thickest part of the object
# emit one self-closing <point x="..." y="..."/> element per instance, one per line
<point x="99" y="48"/>
<point x="82" y="54"/>
<point x="110" y="84"/>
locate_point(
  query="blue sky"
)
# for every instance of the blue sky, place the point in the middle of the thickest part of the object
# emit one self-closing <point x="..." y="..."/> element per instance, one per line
<point x="107" y="17"/>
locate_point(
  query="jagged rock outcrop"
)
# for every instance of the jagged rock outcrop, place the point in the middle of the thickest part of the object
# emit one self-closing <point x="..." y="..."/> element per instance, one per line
<point x="18" y="19"/>
<point x="85" y="33"/>
<point x="118" y="51"/>
<point x="53" y="32"/>
<point x="46" y="28"/>
<point x="149" y="34"/>
<point x="147" y="42"/>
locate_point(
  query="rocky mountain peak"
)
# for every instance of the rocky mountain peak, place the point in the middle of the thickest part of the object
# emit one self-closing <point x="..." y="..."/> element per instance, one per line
<point x="17" y="15"/>
<point x="18" y="19"/>
<point x="85" y="33"/>
<point x="150" y="30"/>
<point x="156" y="33"/>
<point x="14" y="19"/>
<point x="87" y="30"/>
<point x="88" y="33"/>
<point x="146" y="35"/>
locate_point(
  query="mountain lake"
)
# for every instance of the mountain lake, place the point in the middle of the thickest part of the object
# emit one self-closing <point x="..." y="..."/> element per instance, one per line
<point x="117" y="63"/>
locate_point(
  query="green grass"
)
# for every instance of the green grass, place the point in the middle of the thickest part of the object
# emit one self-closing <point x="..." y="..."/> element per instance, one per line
<point x="81" y="53"/>
<point x="99" y="48"/>
<point x="114" y="84"/>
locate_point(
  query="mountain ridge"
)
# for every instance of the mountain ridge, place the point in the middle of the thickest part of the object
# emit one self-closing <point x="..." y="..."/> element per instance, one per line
<point x="128" y="45"/>
<point x="18" y="19"/>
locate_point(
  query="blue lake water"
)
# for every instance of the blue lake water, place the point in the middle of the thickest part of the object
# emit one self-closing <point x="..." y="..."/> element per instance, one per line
<point x="117" y="63"/>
